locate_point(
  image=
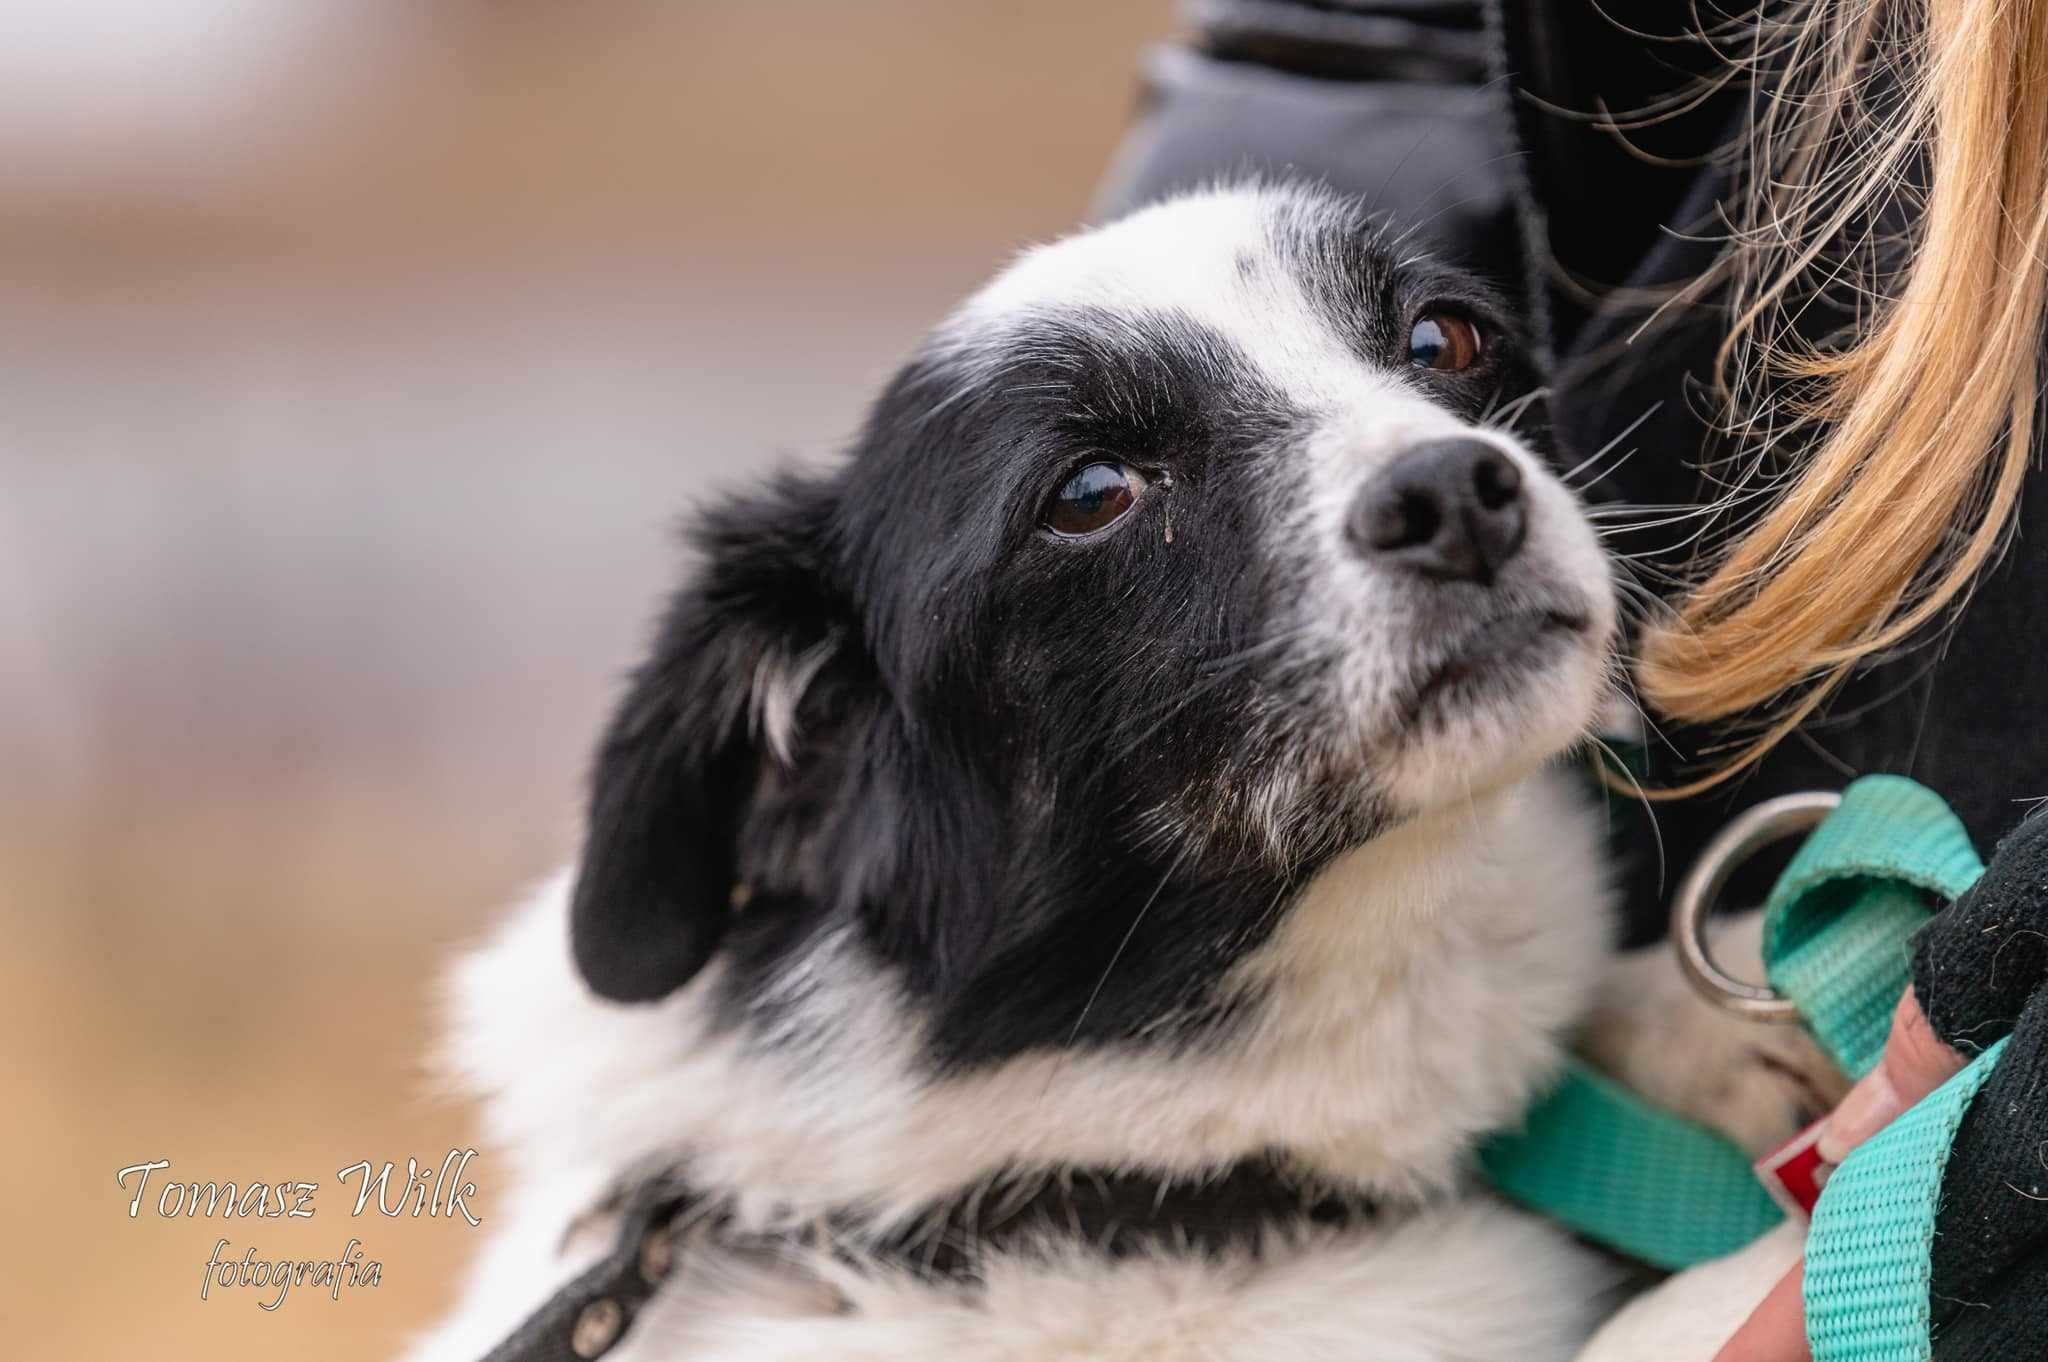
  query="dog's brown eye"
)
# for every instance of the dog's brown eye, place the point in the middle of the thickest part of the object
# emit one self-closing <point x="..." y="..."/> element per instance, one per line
<point x="1445" y="341"/>
<point x="1093" y="499"/>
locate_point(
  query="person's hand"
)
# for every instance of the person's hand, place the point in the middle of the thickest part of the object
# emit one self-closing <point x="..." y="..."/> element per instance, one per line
<point x="1914" y="1064"/>
<point x="1980" y="974"/>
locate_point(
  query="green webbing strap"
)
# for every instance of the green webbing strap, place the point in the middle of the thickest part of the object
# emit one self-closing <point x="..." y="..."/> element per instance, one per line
<point x="1839" y="925"/>
<point x="1867" y="1255"/>
<point x="1629" y="1175"/>
<point x="1837" y="939"/>
<point x="1838" y="935"/>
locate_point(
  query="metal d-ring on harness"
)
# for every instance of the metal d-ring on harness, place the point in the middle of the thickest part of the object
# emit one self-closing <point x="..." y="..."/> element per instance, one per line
<point x="1746" y="834"/>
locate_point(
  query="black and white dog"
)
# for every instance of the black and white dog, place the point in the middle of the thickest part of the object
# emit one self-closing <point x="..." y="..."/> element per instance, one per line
<point x="1078" y="879"/>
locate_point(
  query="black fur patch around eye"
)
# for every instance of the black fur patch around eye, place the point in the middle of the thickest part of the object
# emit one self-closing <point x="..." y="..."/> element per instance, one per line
<point x="1334" y="251"/>
<point x="957" y="459"/>
<point x="1366" y="284"/>
<point x="1025" y="799"/>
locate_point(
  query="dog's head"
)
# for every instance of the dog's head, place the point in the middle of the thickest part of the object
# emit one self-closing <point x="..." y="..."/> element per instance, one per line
<point x="1190" y="553"/>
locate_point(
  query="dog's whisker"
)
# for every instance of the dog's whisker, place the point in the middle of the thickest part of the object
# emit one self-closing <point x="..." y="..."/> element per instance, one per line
<point x="1643" y="798"/>
<point x="1571" y="476"/>
<point x="1095" y="993"/>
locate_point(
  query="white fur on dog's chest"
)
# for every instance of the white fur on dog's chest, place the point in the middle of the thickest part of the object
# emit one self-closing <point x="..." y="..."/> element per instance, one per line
<point x="1429" y="980"/>
<point x="1412" y="1000"/>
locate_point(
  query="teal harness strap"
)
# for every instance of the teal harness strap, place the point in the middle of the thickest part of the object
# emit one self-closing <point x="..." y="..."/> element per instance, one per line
<point x="1839" y="925"/>
<point x="1838" y="929"/>
<point x="1838" y="941"/>
<point x="1867" y="1255"/>
<point x="1634" y="1177"/>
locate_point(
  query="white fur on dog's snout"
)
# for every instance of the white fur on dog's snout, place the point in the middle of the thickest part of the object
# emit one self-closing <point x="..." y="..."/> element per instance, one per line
<point x="1379" y="620"/>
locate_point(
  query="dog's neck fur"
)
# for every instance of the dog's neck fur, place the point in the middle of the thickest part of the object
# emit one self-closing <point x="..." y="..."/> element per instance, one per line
<point x="1430" y="979"/>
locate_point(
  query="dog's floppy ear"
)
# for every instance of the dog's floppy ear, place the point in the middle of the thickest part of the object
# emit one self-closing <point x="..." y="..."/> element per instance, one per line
<point x="676" y="766"/>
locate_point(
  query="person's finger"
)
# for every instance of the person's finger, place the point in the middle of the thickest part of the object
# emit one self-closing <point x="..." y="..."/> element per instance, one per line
<point x="1915" y="1063"/>
<point x="1776" y="1330"/>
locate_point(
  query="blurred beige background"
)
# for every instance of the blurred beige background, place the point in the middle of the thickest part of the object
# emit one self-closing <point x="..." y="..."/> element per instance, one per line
<point x="356" y="360"/>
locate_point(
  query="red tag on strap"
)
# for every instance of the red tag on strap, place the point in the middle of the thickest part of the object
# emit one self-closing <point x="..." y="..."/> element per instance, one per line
<point x="1794" y="1173"/>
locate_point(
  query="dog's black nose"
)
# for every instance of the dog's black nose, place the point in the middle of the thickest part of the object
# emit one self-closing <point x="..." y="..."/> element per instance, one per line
<point x="1451" y="509"/>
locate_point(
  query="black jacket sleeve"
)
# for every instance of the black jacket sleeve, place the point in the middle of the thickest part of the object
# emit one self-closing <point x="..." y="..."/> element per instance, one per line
<point x="1392" y="100"/>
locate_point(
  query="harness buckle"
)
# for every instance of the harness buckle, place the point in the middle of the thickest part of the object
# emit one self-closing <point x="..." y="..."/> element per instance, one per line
<point x="1746" y="834"/>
